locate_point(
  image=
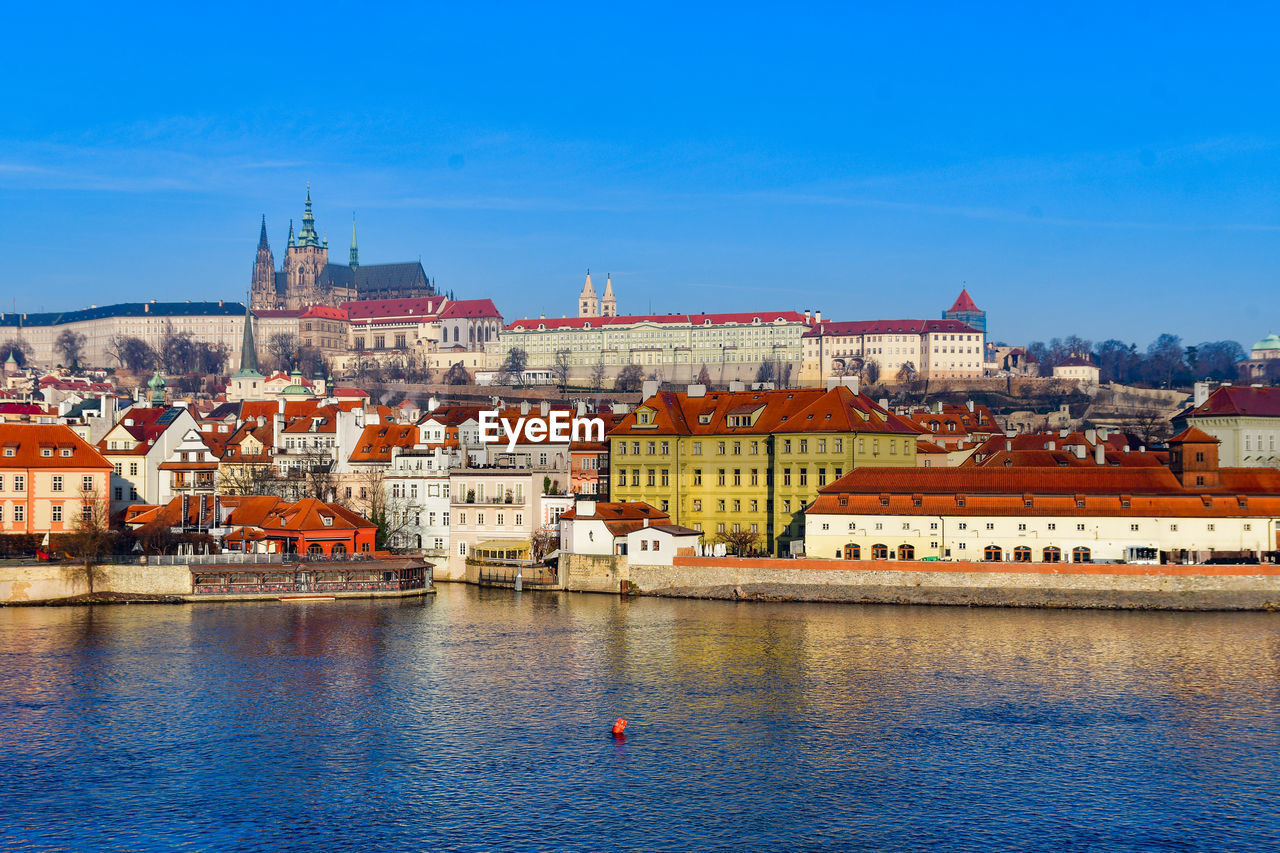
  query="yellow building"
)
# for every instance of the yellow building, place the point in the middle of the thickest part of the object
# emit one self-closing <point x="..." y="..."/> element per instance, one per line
<point x="750" y="461"/>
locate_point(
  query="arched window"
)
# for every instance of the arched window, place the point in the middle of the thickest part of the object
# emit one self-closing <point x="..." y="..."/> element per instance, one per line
<point x="906" y="552"/>
<point x="1081" y="554"/>
<point x="879" y="552"/>
<point x="1053" y="554"/>
<point x="339" y="550"/>
<point x="992" y="554"/>
<point x="1022" y="554"/>
<point x="455" y="334"/>
<point x="314" y="550"/>
<point x="852" y="552"/>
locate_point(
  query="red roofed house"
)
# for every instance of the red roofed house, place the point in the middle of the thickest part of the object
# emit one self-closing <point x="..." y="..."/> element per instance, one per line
<point x="731" y="346"/>
<point x="634" y="529"/>
<point x="1190" y="511"/>
<point x="267" y="524"/>
<point x="139" y="442"/>
<point x="49" y="476"/>
<point x="1245" y="420"/>
<point x="934" y="349"/>
<point x="966" y="311"/>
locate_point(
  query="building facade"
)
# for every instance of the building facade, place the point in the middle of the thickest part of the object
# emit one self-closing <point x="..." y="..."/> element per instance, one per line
<point x="50" y="478"/>
<point x="1245" y="420"/>
<point x="901" y="349"/>
<point x="729" y="462"/>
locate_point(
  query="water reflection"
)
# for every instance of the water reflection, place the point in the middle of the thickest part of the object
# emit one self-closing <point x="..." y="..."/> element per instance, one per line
<point x="479" y="720"/>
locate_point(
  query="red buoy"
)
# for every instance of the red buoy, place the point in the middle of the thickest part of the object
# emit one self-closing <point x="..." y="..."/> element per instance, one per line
<point x="620" y="727"/>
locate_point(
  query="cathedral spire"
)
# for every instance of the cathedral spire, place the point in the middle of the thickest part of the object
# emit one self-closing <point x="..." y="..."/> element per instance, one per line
<point x="290" y="233"/>
<point x="262" y="238"/>
<point x="307" y="235"/>
<point x="608" y="302"/>
<point x="355" y="251"/>
<point x="248" y="353"/>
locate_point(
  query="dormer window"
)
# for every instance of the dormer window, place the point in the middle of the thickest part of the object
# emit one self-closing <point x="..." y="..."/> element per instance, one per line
<point x="66" y="451"/>
<point x="46" y="451"/>
<point x="326" y="520"/>
<point x="704" y="418"/>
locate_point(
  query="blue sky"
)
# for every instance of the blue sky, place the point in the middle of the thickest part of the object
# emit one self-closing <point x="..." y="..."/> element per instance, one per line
<point x="1085" y="169"/>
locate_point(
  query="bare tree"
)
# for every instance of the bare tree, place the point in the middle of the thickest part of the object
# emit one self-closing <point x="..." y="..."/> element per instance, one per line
<point x="1151" y="426"/>
<point x="71" y="345"/>
<point x="871" y="372"/>
<point x="283" y="350"/>
<point x="91" y="532"/>
<point x="630" y="378"/>
<point x="543" y="542"/>
<point x="376" y="500"/>
<point x="704" y="377"/>
<point x="741" y="541"/>
<point x="19" y="348"/>
<point x="130" y="353"/>
<point x="512" y="370"/>
<point x="597" y="375"/>
<point x="249" y="478"/>
<point x="457" y="375"/>
<point x="561" y="369"/>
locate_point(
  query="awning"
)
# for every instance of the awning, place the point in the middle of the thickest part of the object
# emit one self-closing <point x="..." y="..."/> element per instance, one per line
<point x="502" y="545"/>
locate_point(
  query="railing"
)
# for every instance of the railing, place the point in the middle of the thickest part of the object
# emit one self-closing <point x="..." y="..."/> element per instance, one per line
<point x="231" y="558"/>
<point x="531" y="575"/>
<point x="285" y="580"/>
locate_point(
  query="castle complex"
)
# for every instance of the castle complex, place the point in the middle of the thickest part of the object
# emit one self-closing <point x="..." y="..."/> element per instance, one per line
<point x="307" y="277"/>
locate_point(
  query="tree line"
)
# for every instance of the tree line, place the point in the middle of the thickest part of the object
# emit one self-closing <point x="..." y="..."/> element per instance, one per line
<point x="1165" y="363"/>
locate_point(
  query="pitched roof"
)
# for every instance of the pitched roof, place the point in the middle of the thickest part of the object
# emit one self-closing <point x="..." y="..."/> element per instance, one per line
<point x="29" y="442"/>
<point x="836" y="409"/>
<point x="889" y="327"/>
<point x="126" y="309"/>
<point x="376" y="441"/>
<point x="739" y="318"/>
<point x="376" y="309"/>
<point x="1236" y="400"/>
<point x="470" y="308"/>
<point x="1045" y="480"/>
<point x="1193" y="435"/>
<point x="964" y="302"/>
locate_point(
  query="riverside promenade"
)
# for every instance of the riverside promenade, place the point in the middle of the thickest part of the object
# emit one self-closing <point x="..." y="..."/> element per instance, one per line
<point x="1050" y="585"/>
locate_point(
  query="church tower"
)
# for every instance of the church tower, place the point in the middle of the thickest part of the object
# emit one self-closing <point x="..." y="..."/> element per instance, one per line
<point x="355" y="251"/>
<point x="263" y="287"/>
<point x="304" y="259"/>
<point x="608" y="302"/>
<point x="587" y="304"/>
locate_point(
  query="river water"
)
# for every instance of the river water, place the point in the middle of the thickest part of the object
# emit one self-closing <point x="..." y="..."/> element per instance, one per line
<point x="479" y="720"/>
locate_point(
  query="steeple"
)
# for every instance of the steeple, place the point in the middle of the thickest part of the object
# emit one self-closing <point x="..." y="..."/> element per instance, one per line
<point x="290" y="233"/>
<point x="248" y="354"/>
<point x="608" y="302"/>
<point x="262" y="237"/>
<point x="587" y="304"/>
<point x="157" y="385"/>
<point x="262" y="287"/>
<point x="307" y="236"/>
<point x="355" y="251"/>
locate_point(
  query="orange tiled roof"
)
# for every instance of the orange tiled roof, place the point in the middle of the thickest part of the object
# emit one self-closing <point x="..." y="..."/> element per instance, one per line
<point x="30" y="442"/>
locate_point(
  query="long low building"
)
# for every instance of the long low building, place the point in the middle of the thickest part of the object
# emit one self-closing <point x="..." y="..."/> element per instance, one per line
<point x="675" y="346"/>
<point x="207" y="322"/>
<point x="1190" y="511"/>
<point x="927" y="349"/>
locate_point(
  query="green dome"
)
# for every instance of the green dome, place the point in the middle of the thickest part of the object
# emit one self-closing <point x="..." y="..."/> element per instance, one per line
<point x="1271" y="341"/>
<point x="156" y="381"/>
<point x="296" y="391"/>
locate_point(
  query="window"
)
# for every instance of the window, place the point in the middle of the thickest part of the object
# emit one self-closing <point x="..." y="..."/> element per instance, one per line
<point x="622" y="476"/>
<point x="720" y="528"/>
<point x="46" y="451"/>
<point x="786" y="445"/>
<point x="720" y="477"/>
<point x="697" y="476"/>
<point x="133" y="469"/>
<point x="1022" y="554"/>
<point x="737" y="448"/>
<point x="852" y="552"/>
<point x="992" y="554"/>
<point x="635" y="476"/>
<point x="119" y="492"/>
<point x="1052" y="526"/>
<point x="462" y="549"/>
<point x="755" y="477"/>
<point x="1079" y="527"/>
<point x="906" y="552"/>
<point x="737" y="505"/>
<point x="837" y="445"/>
<point x="57" y="482"/>
<point x="1053" y="554"/>
<point x="804" y="476"/>
<point x="879" y="552"/>
<point x="635" y="448"/>
<point x="666" y="448"/>
<point x="622" y="448"/>
<point x="786" y="505"/>
<point x="1080" y="554"/>
<point x="1022" y="527"/>
<point x="697" y="448"/>
<point x="822" y="445"/>
<point x="19" y="513"/>
<point x="479" y="518"/>
<point x="822" y="476"/>
<point x="1133" y="527"/>
<point x="737" y="476"/>
<point x="697" y="505"/>
<point x="719" y="448"/>
<point x="755" y="508"/>
<point x="652" y="448"/>
<point x="991" y="526"/>
<point x="1211" y="528"/>
<point x="720" y="505"/>
<point x="57" y="513"/>
<point x="650" y="477"/>
<point x="804" y="445"/>
<point x="786" y="476"/>
<point x="666" y="477"/>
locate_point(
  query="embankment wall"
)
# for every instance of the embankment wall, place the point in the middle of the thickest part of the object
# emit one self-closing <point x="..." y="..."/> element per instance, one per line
<point x="951" y="583"/>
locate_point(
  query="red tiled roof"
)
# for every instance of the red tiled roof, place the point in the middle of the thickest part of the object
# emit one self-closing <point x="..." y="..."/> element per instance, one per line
<point x="742" y="318"/>
<point x="964" y="302"/>
<point x="27" y="441"/>
<point x="470" y="308"/>
<point x="1234" y="400"/>
<point x="1016" y="480"/>
<point x="888" y="327"/>
<point x="376" y="441"/>
<point x="326" y="312"/>
<point x="378" y="309"/>
<point x="1193" y="435"/>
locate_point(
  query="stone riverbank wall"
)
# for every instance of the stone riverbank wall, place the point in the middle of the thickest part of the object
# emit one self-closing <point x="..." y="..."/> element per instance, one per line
<point x="20" y="584"/>
<point x="1059" y="585"/>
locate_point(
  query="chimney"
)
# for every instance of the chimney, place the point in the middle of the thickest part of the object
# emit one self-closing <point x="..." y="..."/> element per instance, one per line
<point x="524" y="407"/>
<point x="648" y="389"/>
<point x="1100" y="454"/>
<point x="1079" y="449"/>
<point x="280" y="405"/>
<point x="1052" y="445"/>
<point x="1091" y="435"/>
<point x="432" y="404"/>
<point x="1126" y="448"/>
<point x="544" y="408"/>
<point x="1008" y="445"/>
<point x="1064" y="432"/>
<point x="969" y="403"/>
<point x="584" y="509"/>
<point x="696" y="391"/>
<point x="1201" y="393"/>
<point x="1103" y="432"/>
<point x="737" y="385"/>
<point x="817" y="316"/>
<point x="807" y="316"/>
